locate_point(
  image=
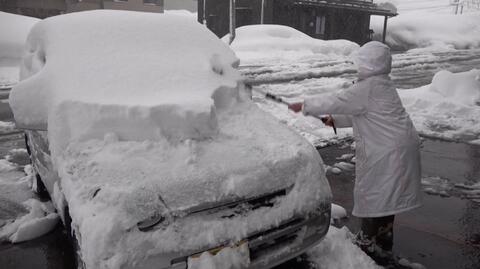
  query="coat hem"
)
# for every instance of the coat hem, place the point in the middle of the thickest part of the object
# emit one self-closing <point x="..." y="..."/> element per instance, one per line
<point x="387" y="213"/>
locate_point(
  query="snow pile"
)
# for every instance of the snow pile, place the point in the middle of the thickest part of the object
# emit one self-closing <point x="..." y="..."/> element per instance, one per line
<point x="338" y="212"/>
<point x="6" y="127"/>
<point x="14" y="30"/>
<point x="337" y="251"/>
<point x="23" y="217"/>
<point x="254" y="43"/>
<point x="169" y="127"/>
<point x="40" y="220"/>
<point x="182" y="12"/>
<point x="448" y="108"/>
<point x="435" y="31"/>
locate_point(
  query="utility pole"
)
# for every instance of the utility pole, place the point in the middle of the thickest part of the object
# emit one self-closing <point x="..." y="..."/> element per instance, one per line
<point x="232" y="20"/>
<point x="262" y="13"/>
<point x="204" y="13"/>
<point x="384" y="36"/>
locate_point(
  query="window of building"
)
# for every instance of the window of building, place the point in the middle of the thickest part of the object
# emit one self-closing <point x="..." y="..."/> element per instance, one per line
<point x="320" y="25"/>
<point x="151" y="2"/>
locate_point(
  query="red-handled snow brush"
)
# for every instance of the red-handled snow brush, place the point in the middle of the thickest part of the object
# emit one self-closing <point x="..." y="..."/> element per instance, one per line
<point x="280" y="100"/>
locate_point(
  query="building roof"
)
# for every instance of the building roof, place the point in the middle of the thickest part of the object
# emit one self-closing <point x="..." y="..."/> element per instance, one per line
<point x="365" y="6"/>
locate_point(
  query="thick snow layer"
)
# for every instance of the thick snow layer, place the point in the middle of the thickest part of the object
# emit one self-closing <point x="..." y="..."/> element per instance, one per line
<point x="337" y="251"/>
<point x="435" y="31"/>
<point x="14" y="30"/>
<point x="254" y="43"/>
<point x="447" y="108"/>
<point x="139" y="84"/>
<point x="118" y="183"/>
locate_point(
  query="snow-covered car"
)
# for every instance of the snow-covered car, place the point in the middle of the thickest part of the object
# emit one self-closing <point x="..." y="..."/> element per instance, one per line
<point x="144" y="135"/>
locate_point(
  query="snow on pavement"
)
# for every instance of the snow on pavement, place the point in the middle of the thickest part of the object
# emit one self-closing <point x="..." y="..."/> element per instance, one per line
<point x="337" y="251"/>
<point x="448" y="108"/>
<point x="22" y="215"/>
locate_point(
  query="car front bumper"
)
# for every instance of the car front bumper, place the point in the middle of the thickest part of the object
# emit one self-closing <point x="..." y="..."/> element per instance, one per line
<point x="276" y="246"/>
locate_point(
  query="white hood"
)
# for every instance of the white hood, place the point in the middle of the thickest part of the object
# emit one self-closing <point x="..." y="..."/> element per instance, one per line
<point x="373" y="59"/>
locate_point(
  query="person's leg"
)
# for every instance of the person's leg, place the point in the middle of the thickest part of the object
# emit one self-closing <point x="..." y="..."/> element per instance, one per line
<point x="376" y="238"/>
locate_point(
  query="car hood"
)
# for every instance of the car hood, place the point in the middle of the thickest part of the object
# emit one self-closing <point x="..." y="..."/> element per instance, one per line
<point x="140" y="178"/>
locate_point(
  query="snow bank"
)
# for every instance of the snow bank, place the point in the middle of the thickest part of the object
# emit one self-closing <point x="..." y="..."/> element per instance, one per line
<point x="40" y="220"/>
<point x="338" y="212"/>
<point x="448" y="108"/>
<point x="254" y="43"/>
<point x="24" y="217"/>
<point x="436" y="31"/>
<point x="182" y="12"/>
<point x="337" y="251"/>
<point x="6" y="127"/>
<point x="14" y="30"/>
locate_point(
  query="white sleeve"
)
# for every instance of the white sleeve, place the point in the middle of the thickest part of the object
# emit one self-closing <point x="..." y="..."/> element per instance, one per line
<point x="351" y="101"/>
<point x="342" y="121"/>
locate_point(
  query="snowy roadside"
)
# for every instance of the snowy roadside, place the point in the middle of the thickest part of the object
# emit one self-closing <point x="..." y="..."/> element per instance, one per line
<point x="22" y="215"/>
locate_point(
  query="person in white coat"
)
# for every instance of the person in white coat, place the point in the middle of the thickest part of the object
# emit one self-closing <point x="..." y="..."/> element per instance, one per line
<point x="387" y="146"/>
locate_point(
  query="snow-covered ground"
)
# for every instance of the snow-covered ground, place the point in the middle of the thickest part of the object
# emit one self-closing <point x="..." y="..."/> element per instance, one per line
<point x="22" y="215"/>
<point x="14" y="30"/>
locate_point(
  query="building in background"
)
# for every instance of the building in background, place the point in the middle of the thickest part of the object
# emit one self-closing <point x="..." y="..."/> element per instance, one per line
<point x="323" y="19"/>
<point x="47" y="8"/>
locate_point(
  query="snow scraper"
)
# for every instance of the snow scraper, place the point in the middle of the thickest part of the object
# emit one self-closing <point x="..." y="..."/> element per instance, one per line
<point x="280" y="100"/>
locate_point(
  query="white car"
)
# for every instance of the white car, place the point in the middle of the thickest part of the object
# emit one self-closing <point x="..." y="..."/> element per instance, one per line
<point x="142" y="131"/>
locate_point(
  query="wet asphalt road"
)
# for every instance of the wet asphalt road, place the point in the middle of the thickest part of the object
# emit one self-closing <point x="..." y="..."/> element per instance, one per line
<point x="445" y="231"/>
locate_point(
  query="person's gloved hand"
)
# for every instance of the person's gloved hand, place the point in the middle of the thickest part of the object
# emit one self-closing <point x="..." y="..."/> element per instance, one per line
<point x="295" y="107"/>
<point x="327" y="120"/>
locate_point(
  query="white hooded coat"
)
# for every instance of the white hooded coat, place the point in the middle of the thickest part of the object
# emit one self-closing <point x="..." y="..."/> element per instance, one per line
<point x="387" y="145"/>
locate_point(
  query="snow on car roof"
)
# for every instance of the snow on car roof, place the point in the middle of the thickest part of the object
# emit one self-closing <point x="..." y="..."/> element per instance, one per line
<point x="96" y="71"/>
